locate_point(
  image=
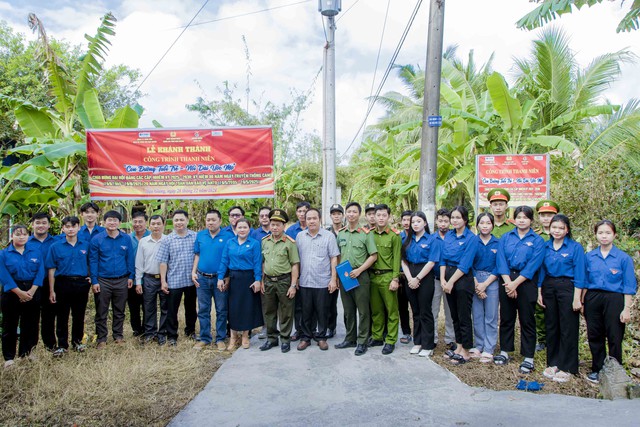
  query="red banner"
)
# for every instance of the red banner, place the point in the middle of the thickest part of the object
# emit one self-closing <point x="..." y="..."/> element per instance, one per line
<point x="229" y="163"/>
<point x="524" y="176"/>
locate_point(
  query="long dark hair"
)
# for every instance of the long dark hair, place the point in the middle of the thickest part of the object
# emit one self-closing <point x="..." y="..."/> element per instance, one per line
<point x="464" y="213"/>
<point x="411" y="233"/>
<point x="563" y="219"/>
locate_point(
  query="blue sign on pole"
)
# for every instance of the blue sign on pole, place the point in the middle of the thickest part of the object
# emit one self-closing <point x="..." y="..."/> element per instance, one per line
<point x="435" y="121"/>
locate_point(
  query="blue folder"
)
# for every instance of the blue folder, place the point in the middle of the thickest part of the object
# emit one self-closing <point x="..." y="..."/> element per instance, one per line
<point x="343" y="271"/>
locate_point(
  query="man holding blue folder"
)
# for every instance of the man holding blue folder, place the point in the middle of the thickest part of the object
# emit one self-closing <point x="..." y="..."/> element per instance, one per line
<point x="356" y="246"/>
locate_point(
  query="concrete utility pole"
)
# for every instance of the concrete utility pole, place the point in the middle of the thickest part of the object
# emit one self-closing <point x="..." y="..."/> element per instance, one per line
<point x="431" y="119"/>
<point x="329" y="8"/>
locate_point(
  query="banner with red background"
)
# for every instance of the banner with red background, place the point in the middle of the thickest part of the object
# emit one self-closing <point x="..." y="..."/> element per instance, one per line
<point x="524" y="176"/>
<point x="166" y="163"/>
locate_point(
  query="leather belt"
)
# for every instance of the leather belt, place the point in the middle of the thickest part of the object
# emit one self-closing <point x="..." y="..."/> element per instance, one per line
<point x="278" y="278"/>
<point x="379" y="272"/>
<point x="153" y="276"/>
<point x="209" y="275"/>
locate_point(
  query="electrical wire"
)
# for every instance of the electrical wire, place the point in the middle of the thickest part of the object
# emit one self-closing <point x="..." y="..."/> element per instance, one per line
<point x="386" y="74"/>
<point x="347" y="11"/>
<point x="172" y="44"/>
<point x="375" y="70"/>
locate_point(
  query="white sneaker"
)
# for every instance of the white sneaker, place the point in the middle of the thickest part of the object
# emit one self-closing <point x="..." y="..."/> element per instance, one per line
<point x="9" y="363"/>
<point x="425" y="353"/>
<point x="550" y="372"/>
<point x="415" y="349"/>
<point x="561" y="377"/>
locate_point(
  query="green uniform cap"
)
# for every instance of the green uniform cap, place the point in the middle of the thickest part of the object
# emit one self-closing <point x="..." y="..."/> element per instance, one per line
<point x="498" y="194"/>
<point x="278" y="215"/>
<point x="547" y="206"/>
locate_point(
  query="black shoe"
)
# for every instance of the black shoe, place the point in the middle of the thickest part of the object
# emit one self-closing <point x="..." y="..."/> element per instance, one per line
<point x="330" y="333"/>
<point x="387" y="349"/>
<point x="138" y="333"/>
<point x="192" y="336"/>
<point x="268" y="345"/>
<point x="162" y="340"/>
<point x="173" y="343"/>
<point x="345" y="344"/>
<point x="360" y="349"/>
<point x="295" y="336"/>
<point x="452" y="346"/>
<point x="285" y="347"/>
<point x="374" y="343"/>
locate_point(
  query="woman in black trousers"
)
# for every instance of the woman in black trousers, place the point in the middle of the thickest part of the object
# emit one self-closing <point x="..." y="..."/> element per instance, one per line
<point x="456" y="278"/>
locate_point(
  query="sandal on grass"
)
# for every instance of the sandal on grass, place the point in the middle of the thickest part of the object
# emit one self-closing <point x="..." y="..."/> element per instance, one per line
<point x="550" y="372"/>
<point x="457" y="359"/>
<point x="562" y="377"/>
<point x="500" y="360"/>
<point x="526" y="367"/>
<point x="486" y="357"/>
<point x="449" y="354"/>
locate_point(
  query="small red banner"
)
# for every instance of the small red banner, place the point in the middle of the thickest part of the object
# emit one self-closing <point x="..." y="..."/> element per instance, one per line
<point x="524" y="176"/>
<point x="229" y="163"/>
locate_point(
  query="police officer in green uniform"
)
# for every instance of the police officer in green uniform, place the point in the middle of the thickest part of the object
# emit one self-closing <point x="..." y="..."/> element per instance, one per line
<point x="385" y="281"/>
<point x="499" y="202"/>
<point x="358" y="247"/>
<point x="281" y="267"/>
<point x="370" y="215"/>
<point x="546" y="210"/>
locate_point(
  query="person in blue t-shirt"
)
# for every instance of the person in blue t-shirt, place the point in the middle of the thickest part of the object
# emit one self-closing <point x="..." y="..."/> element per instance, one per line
<point x="607" y="296"/>
<point x="486" y="298"/>
<point x="561" y="278"/>
<point x="420" y="255"/>
<point x="89" y="213"/>
<point x="520" y="255"/>
<point x="263" y="229"/>
<point x="21" y="274"/>
<point x="67" y="266"/>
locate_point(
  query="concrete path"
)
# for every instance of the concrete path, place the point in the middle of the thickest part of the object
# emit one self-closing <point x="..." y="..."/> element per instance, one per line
<point x="334" y="387"/>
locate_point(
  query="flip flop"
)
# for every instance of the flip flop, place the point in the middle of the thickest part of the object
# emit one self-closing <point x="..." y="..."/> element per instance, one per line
<point x="526" y="368"/>
<point x="500" y="360"/>
<point x="458" y="360"/>
<point x="449" y="354"/>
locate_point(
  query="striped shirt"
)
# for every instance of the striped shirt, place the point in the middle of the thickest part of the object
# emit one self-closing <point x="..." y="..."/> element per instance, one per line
<point x="177" y="252"/>
<point x="315" y="257"/>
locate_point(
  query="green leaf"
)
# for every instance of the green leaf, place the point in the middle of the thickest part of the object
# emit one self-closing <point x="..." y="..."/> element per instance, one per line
<point x="55" y="152"/>
<point x="553" y="142"/>
<point x="506" y="105"/>
<point x="35" y="196"/>
<point x="124" y="118"/>
<point x="32" y="175"/>
<point x="10" y="209"/>
<point x="156" y="123"/>
<point x="90" y="113"/>
<point x="34" y="122"/>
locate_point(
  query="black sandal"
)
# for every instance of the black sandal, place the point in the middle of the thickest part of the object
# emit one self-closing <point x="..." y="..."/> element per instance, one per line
<point x="449" y="354"/>
<point x="458" y="359"/>
<point x="526" y="367"/>
<point x="500" y="360"/>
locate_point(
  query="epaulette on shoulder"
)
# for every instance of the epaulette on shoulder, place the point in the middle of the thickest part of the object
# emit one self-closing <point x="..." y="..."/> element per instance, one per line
<point x="343" y="228"/>
<point x="291" y="239"/>
<point x="364" y="230"/>
<point x="268" y="235"/>
<point x="510" y="221"/>
<point x="395" y="231"/>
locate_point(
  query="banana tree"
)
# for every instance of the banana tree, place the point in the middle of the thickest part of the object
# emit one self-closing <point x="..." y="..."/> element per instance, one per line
<point x="53" y="152"/>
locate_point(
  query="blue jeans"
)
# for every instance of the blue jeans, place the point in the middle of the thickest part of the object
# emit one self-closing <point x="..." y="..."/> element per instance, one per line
<point x="485" y="316"/>
<point x="207" y="290"/>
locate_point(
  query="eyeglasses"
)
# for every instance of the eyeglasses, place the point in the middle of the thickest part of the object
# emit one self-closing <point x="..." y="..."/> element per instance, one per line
<point x="235" y="215"/>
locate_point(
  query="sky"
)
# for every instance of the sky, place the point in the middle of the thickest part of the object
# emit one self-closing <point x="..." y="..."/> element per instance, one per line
<point x="285" y="40"/>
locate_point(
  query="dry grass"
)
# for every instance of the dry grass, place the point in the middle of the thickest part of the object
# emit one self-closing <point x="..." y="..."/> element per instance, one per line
<point x="494" y="377"/>
<point x="124" y="385"/>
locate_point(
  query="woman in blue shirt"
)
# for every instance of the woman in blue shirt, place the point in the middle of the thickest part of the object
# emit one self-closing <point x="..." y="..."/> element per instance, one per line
<point x="21" y="274"/>
<point x="485" y="300"/>
<point x="456" y="279"/>
<point x="420" y="253"/>
<point x="561" y="279"/>
<point x="242" y="259"/>
<point x="520" y="254"/>
<point x="607" y="296"/>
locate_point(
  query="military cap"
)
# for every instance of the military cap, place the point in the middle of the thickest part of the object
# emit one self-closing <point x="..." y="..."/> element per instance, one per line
<point x="547" y="206"/>
<point x="278" y="215"/>
<point x="498" y="194"/>
<point x="337" y="207"/>
<point x="369" y="207"/>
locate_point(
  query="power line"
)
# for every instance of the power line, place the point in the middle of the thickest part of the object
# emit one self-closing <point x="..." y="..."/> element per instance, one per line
<point x="375" y="70"/>
<point x="386" y="74"/>
<point x="247" y="14"/>
<point x="172" y="44"/>
<point x="347" y="11"/>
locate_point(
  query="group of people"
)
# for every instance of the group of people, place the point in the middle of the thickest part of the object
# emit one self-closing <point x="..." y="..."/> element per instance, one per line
<point x="286" y="280"/>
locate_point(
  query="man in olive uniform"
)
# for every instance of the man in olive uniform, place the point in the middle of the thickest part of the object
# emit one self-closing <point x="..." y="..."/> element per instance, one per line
<point x="370" y="215"/>
<point x="546" y="210"/>
<point x="385" y="282"/>
<point x="357" y="246"/>
<point x="499" y="202"/>
<point x="281" y="268"/>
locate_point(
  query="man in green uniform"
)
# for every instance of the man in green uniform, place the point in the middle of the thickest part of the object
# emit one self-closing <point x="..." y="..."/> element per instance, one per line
<point x="385" y="281"/>
<point x="356" y="246"/>
<point x="280" y="268"/>
<point x="499" y="202"/>
<point x="546" y="210"/>
<point x="370" y="215"/>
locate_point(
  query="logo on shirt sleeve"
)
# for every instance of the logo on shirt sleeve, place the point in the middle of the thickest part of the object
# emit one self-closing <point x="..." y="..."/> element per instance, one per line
<point x="564" y="255"/>
<point x="34" y="260"/>
<point x="124" y="247"/>
<point x="495" y="251"/>
<point x="614" y="271"/>
<point x="83" y="252"/>
<point x="460" y="243"/>
<point x="423" y="246"/>
<point x="529" y="244"/>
